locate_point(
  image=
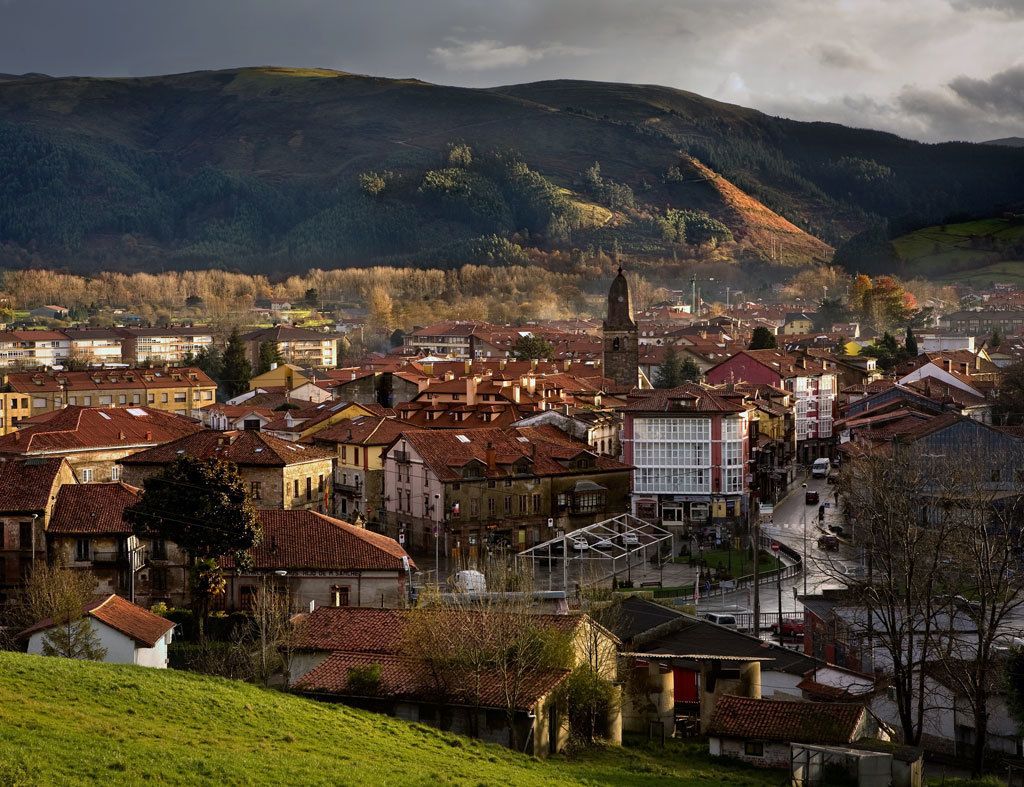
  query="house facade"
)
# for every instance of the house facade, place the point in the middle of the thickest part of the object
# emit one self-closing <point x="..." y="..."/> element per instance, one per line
<point x="690" y="449"/>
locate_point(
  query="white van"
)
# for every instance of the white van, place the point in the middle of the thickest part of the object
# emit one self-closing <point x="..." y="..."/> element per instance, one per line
<point x="820" y="468"/>
<point x="722" y="619"/>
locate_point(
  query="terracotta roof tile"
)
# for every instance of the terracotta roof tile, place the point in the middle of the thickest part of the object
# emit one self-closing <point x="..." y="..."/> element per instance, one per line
<point x="93" y="509"/>
<point x="409" y="679"/>
<point x="85" y="428"/>
<point x="27" y="485"/>
<point x="133" y="621"/>
<point x="246" y="448"/>
<point x="786" y="722"/>
<point x="299" y="539"/>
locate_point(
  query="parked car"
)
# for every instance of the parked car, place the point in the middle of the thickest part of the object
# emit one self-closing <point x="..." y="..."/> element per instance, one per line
<point x="828" y="543"/>
<point x="820" y="468"/>
<point x="630" y="539"/>
<point x="811" y="497"/>
<point x="580" y="545"/>
<point x="722" y="619"/>
<point x="793" y="627"/>
<point x="837" y="529"/>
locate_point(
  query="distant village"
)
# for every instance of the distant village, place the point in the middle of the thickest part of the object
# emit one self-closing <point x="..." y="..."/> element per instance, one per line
<point x="693" y="498"/>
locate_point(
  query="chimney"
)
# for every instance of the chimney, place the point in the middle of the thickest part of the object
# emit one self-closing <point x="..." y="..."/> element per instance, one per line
<point x="947" y="364"/>
<point x="149" y="436"/>
<point x="471" y="390"/>
<point x="492" y="462"/>
<point x="516" y="390"/>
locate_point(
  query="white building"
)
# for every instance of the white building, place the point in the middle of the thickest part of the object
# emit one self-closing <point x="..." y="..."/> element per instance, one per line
<point x="33" y="348"/>
<point x="128" y="633"/>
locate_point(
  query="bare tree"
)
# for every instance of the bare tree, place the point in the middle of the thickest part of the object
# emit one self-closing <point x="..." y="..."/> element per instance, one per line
<point x="61" y="594"/>
<point x="270" y="632"/>
<point x="898" y="600"/>
<point x="983" y="558"/>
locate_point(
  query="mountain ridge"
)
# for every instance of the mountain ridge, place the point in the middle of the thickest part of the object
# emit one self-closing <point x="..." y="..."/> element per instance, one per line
<point x="258" y="168"/>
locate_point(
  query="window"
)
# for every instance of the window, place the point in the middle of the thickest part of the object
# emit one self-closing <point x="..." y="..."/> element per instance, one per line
<point x="320" y="484"/>
<point x="344" y="453"/>
<point x="586" y="502"/>
<point x="753" y="748"/>
<point x="106" y="399"/>
<point x="309" y="487"/>
<point x="115" y="473"/>
<point x="163" y="398"/>
<point x="86" y="475"/>
<point x="339" y="595"/>
<point x="151" y="399"/>
<point x="82" y="549"/>
<point x="247" y="597"/>
<point x="24" y="403"/>
<point x="536" y="504"/>
<point x="122" y="399"/>
<point x="136" y="399"/>
<point x="25" y="535"/>
<point x="490" y="506"/>
<point x="180" y="397"/>
<point x="256" y="490"/>
<point x="87" y="400"/>
<point x="355" y="455"/>
<point x="158" y="549"/>
<point x="39" y="402"/>
<point x="295" y="487"/>
<point x="672" y="455"/>
<point x="508" y="505"/>
<point x="474" y="508"/>
<point x="522" y="504"/>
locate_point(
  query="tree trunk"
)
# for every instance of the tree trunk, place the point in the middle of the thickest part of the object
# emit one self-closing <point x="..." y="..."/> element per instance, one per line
<point x="980" y="737"/>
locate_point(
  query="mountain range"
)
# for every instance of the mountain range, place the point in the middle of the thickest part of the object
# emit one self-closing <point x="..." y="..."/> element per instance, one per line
<point x="276" y="169"/>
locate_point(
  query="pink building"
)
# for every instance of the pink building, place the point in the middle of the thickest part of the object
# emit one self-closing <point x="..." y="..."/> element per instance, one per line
<point x="812" y="381"/>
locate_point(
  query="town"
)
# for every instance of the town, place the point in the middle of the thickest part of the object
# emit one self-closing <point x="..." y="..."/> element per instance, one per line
<point x="768" y="525"/>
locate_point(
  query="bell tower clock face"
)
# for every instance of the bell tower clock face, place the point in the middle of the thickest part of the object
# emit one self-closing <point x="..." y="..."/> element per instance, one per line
<point x="621" y="299"/>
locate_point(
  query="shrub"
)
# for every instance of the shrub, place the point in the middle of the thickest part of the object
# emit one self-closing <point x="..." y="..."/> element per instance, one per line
<point x="364" y="680"/>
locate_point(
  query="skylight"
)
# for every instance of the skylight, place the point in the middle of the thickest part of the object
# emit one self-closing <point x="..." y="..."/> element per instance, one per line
<point x="137" y="412"/>
<point x="462" y="438"/>
<point x="104" y="415"/>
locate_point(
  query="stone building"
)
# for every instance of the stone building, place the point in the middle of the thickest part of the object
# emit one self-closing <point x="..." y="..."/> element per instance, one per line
<point x="278" y="474"/>
<point x="621" y="338"/>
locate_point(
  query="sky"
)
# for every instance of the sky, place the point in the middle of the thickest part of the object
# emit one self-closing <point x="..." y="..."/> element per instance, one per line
<point x="927" y="69"/>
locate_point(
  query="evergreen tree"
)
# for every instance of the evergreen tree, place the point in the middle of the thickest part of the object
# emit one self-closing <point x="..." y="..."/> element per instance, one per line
<point x="269" y="355"/>
<point x="670" y="373"/>
<point x="237" y="370"/>
<point x="997" y="338"/>
<point x="201" y="505"/>
<point x="689" y="371"/>
<point x="529" y="348"/>
<point x="762" y="339"/>
<point x="910" y="344"/>
<point x="73" y="637"/>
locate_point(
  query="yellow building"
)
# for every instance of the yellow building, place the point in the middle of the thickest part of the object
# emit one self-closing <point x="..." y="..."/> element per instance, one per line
<point x="284" y="375"/>
<point x="294" y="425"/>
<point x="14" y="408"/>
<point x="179" y="390"/>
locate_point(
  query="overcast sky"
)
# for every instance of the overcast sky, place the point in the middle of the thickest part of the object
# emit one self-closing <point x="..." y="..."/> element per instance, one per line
<point x="928" y="69"/>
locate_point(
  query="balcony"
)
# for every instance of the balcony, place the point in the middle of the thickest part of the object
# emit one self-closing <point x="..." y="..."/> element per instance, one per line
<point x="354" y="488"/>
<point x="400" y="456"/>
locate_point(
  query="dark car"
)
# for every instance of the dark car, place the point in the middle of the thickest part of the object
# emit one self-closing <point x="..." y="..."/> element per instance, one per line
<point x="837" y="529"/>
<point x="811" y="497"/>
<point x="828" y="543"/>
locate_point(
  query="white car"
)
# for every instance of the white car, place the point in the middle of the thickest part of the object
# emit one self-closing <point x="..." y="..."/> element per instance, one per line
<point x="580" y="545"/>
<point x="630" y="539"/>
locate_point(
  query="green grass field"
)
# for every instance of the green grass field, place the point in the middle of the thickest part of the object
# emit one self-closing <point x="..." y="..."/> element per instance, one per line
<point x="69" y="722"/>
<point x="968" y="253"/>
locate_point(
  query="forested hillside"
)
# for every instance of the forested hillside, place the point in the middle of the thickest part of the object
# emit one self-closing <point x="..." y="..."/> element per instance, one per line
<point x="273" y="170"/>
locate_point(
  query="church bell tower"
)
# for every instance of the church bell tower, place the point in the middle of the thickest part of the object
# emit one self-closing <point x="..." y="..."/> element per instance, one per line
<point x="621" y="343"/>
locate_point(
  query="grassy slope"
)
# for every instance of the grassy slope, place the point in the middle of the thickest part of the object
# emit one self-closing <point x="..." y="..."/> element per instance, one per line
<point x="72" y="722"/>
<point x="950" y="252"/>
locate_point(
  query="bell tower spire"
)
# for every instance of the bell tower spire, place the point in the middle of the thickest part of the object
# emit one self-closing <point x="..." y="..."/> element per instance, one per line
<point x="621" y="358"/>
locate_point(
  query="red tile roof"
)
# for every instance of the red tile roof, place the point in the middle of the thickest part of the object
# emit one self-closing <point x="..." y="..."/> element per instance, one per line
<point x="410" y="679"/>
<point x="368" y="630"/>
<point x="134" y="622"/>
<point x="93" y="509"/>
<point x="245" y="448"/>
<point x="109" y="379"/>
<point x="299" y="539"/>
<point x="92" y="428"/>
<point x="786" y="722"/>
<point x="687" y="398"/>
<point x="27" y="485"/>
<point x="363" y="430"/>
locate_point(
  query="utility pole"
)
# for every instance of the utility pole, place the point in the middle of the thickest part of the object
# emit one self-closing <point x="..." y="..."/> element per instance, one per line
<point x="693" y="294"/>
<point x="756" y="538"/>
<point x="803" y="520"/>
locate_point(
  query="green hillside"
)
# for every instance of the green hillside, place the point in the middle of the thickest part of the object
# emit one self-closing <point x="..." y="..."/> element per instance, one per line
<point x="973" y="252"/>
<point x="74" y="723"/>
<point x="260" y="168"/>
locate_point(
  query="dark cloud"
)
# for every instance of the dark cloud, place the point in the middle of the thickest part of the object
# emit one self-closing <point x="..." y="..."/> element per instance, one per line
<point x="1002" y="93"/>
<point x="1012" y="7"/>
<point x="840" y="55"/>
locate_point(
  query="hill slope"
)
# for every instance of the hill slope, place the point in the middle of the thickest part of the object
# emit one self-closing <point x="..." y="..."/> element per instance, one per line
<point x="259" y="168"/>
<point x="75" y="722"/>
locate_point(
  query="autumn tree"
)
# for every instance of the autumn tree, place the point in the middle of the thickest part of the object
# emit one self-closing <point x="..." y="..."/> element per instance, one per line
<point x="202" y="506"/>
<point x="381" y="310"/>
